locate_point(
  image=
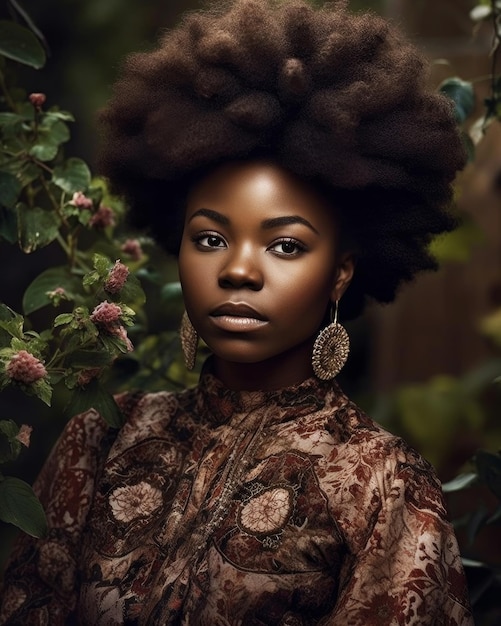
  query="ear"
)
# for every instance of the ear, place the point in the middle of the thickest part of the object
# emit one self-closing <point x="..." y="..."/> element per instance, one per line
<point x="344" y="273"/>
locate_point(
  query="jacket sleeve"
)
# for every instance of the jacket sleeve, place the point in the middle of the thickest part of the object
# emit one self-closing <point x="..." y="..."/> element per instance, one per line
<point x="408" y="570"/>
<point x="40" y="582"/>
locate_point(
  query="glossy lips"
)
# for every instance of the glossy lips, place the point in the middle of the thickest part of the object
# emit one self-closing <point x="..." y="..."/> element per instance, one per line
<point x="234" y="317"/>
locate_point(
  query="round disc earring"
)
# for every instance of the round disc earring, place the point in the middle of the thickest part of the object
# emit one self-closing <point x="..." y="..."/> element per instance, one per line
<point x="331" y="349"/>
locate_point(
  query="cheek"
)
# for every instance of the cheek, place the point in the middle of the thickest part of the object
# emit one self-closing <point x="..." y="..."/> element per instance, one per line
<point x="197" y="281"/>
<point x="306" y="288"/>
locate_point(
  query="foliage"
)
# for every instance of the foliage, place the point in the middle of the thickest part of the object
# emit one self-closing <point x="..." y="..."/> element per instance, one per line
<point x="445" y="410"/>
<point x="484" y="579"/>
<point x="90" y="301"/>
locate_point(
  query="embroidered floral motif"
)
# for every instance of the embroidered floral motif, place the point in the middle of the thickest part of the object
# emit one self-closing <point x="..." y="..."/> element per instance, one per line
<point x="133" y="501"/>
<point x="267" y="513"/>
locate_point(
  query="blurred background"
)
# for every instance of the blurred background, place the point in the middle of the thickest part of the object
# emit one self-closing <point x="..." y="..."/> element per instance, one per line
<point x="424" y="366"/>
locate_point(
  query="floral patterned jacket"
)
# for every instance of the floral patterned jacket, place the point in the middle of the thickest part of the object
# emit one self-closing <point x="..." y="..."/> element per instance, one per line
<point x="214" y="507"/>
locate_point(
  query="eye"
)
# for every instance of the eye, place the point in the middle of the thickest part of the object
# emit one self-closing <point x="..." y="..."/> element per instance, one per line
<point x="209" y="240"/>
<point x="287" y="247"/>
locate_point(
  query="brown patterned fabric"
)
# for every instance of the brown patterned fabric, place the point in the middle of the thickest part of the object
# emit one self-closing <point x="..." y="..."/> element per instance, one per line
<point x="214" y="507"/>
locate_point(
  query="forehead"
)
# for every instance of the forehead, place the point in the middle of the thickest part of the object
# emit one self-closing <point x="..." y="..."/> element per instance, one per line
<point x="259" y="189"/>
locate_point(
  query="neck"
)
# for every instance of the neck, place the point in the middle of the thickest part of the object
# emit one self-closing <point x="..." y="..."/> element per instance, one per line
<point x="275" y="373"/>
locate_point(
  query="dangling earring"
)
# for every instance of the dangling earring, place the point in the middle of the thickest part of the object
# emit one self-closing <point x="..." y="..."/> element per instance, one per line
<point x="189" y="341"/>
<point x="331" y="349"/>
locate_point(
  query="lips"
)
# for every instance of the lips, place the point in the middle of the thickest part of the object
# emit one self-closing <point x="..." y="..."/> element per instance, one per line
<point x="232" y="309"/>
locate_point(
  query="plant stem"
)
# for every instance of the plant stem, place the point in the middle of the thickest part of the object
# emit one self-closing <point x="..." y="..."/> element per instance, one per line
<point x="60" y="240"/>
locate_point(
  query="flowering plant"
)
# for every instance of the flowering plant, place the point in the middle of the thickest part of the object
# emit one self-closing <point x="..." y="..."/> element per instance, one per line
<point x="91" y="301"/>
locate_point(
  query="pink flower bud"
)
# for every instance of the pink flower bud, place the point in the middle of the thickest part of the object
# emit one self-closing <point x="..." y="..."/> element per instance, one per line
<point x="37" y="100"/>
<point x="116" y="278"/>
<point x="56" y="295"/>
<point x="132" y="247"/>
<point x="103" y="217"/>
<point x="24" y="435"/>
<point x="106" y="314"/>
<point x="81" y="201"/>
<point x="25" y="368"/>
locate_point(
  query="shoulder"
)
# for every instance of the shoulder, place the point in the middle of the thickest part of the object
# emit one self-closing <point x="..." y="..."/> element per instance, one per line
<point x="365" y="461"/>
<point x="369" y="474"/>
<point x="356" y="433"/>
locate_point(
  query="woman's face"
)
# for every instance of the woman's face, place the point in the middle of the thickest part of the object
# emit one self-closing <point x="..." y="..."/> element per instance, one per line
<point x="259" y="266"/>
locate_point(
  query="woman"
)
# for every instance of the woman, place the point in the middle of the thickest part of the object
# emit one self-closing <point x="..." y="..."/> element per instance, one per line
<point x="295" y="161"/>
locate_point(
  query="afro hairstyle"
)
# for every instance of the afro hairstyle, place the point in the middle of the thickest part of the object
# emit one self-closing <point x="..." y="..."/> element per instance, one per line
<point x="338" y="98"/>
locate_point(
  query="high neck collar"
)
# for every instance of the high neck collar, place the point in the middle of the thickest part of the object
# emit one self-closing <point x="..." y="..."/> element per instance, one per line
<point x="220" y="405"/>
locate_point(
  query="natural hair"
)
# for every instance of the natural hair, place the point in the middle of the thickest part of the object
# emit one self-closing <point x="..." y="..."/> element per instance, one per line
<point x="337" y="98"/>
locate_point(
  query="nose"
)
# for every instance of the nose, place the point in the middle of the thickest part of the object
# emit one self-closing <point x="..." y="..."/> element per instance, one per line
<point x="241" y="269"/>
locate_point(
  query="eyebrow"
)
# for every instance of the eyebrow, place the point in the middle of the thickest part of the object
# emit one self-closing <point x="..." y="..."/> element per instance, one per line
<point x="212" y="215"/>
<point x="285" y="220"/>
<point x="268" y="224"/>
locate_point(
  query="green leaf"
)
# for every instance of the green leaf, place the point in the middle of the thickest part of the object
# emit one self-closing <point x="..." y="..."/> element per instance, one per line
<point x="20" y="44"/>
<point x="91" y="279"/>
<point x="74" y="175"/>
<point x="93" y="396"/>
<point x="29" y="173"/>
<point x="38" y="342"/>
<point x="462" y="94"/>
<point x="36" y="295"/>
<point x="55" y="131"/>
<point x="460" y="482"/>
<point x="42" y="389"/>
<point x="10" y="447"/>
<point x="20" y="506"/>
<point x="113" y="344"/>
<point x="52" y="133"/>
<point x="64" y="318"/>
<point x="8" y="225"/>
<point x="8" y="119"/>
<point x="472" y="563"/>
<point x="10" y="188"/>
<point x="36" y="227"/>
<point x="172" y="291"/>
<point x="132" y="291"/>
<point x="44" y="151"/>
<point x="11" y="321"/>
<point x="9" y="428"/>
<point x="66" y="116"/>
<point x="102" y="264"/>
